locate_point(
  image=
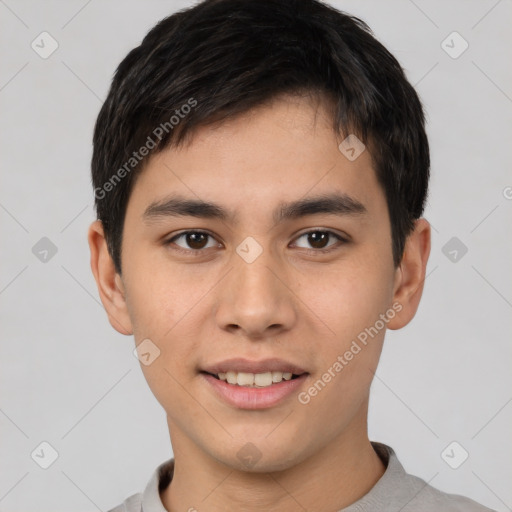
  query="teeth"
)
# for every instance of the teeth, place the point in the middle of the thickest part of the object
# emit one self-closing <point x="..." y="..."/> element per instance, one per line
<point x="245" y="379"/>
<point x="263" y="379"/>
<point x="277" y="376"/>
<point x="260" y="380"/>
<point x="231" y="377"/>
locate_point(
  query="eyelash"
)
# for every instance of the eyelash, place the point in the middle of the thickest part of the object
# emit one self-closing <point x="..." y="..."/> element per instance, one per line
<point x="197" y="252"/>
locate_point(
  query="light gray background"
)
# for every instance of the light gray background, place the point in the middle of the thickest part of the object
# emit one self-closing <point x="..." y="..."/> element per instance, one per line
<point x="69" y="379"/>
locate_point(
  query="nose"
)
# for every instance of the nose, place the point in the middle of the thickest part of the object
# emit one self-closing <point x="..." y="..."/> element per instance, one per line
<point x="256" y="299"/>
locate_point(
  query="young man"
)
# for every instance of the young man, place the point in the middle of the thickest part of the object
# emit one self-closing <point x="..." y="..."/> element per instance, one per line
<point x="260" y="172"/>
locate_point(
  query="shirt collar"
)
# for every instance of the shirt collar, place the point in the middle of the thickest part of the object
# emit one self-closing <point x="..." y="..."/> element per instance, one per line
<point x="380" y="492"/>
<point x="161" y="478"/>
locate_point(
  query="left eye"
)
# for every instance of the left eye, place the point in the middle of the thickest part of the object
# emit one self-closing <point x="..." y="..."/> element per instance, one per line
<point x="318" y="239"/>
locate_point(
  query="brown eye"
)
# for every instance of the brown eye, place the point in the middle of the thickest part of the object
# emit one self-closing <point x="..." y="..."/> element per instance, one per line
<point x="319" y="239"/>
<point x="192" y="241"/>
<point x="196" y="240"/>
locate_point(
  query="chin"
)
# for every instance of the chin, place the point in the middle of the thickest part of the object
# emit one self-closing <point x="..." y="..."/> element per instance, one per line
<point x="260" y="456"/>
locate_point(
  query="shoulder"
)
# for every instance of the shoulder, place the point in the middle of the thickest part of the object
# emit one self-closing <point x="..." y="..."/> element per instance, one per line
<point x="398" y="490"/>
<point x="131" y="504"/>
<point x="149" y="499"/>
<point x="428" y="498"/>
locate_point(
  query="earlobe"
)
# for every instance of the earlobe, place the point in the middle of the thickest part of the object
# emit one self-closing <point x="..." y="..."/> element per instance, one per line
<point x="109" y="282"/>
<point x="410" y="275"/>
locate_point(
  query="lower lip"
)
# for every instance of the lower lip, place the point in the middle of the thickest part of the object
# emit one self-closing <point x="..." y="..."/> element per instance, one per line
<point x="244" y="397"/>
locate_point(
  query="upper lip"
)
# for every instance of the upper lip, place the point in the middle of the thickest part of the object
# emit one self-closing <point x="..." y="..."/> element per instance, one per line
<point x="239" y="364"/>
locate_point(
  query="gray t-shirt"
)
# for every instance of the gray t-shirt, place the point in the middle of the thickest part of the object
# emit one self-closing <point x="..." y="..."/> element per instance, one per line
<point x="396" y="491"/>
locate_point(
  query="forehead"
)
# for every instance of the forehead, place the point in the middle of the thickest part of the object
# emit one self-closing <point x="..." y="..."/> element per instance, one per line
<point x="281" y="152"/>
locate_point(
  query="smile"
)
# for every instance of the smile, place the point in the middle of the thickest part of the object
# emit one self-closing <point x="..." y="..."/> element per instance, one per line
<point x="259" y="380"/>
<point x="252" y="396"/>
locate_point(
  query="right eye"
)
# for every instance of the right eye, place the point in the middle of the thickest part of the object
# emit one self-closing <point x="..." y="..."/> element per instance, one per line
<point x="195" y="240"/>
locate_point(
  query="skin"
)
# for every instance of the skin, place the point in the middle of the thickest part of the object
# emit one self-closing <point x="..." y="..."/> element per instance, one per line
<point x="291" y="302"/>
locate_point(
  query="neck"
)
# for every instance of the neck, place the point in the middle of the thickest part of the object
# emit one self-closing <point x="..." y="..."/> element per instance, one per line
<point x="331" y="479"/>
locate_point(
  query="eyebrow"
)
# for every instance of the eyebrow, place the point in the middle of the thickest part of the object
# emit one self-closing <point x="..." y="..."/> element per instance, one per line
<point x="178" y="206"/>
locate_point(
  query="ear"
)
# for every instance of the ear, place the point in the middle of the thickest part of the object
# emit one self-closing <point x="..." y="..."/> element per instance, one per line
<point x="410" y="275"/>
<point x="109" y="282"/>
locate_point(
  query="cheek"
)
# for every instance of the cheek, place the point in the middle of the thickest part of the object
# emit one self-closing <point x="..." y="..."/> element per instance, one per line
<point x="164" y="305"/>
<point x="160" y="316"/>
<point x="157" y="297"/>
<point x="347" y="299"/>
<point x="350" y="305"/>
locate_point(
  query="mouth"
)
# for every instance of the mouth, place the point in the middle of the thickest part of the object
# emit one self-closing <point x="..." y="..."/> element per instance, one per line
<point x="246" y="384"/>
<point x="254" y="380"/>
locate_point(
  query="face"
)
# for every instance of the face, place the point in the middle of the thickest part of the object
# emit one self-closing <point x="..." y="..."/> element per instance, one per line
<point x="285" y="276"/>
